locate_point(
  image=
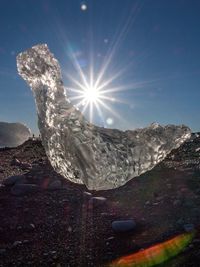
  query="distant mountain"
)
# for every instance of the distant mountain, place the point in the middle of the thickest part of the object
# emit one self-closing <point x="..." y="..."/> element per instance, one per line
<point x="13" y="134"/>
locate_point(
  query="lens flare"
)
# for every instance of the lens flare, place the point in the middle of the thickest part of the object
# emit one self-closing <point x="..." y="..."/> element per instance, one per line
<point x="83" y="7"/>
<point x="156" y="254"/>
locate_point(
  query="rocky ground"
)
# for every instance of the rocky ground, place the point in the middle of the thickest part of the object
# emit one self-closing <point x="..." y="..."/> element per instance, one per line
<point x="48" y="221"/>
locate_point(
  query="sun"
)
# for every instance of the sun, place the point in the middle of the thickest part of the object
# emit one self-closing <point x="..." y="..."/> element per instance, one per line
<point x="91" y="94"/>
<point x="94" y="91"/>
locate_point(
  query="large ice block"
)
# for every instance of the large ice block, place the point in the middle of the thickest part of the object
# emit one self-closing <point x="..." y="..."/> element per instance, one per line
<point x="81" y="152"/>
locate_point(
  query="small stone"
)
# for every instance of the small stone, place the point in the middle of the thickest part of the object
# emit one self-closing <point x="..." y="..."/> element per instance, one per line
<point x="159" y="198"/>
<point x="31" y="226"/>
<point x="45" y="254"/>
<point x="55" y="185"/>
<point x="69" y="229"/>
<point x="183" y="189"/>
<point x="15" y="179"/>
<point x="96" y="202"/>
<point x="26" y="210"/>
<point x="99" y="198"/>
<point x="110" y="238"/>
<point x="191" y="246"/>
<point x="2" y="186"/>
<point x="25" y="166"/>
<point x="17" y="243"/>
<point x="196" y="241"/>
<point x="176" y="202"/>
<point x="87" y="194"/>
<point x="53" y="252"/>
<point x="23" y="189"/>
<point x="15" y="162"/>
<point x="26" y="241"/>
<point x="189" y="227"/>
<point x="18" y="203"/>
<point x="2" y="251"/>
<point x="123" y="226"/>
<point x="180" y="222"/>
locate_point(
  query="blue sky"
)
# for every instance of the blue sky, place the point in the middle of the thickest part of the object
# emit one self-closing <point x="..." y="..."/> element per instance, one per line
<point x="155" y="42"/>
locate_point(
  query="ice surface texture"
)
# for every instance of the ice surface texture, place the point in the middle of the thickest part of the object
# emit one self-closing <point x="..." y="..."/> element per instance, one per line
<point x="84" y="153"/>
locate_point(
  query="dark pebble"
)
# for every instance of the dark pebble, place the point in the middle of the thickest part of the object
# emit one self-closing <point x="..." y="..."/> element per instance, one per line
<point x="23" y="189"/>
<point x="188" y="227"/>
<point x="123" y="226"/>
<point x="15" y="179"/>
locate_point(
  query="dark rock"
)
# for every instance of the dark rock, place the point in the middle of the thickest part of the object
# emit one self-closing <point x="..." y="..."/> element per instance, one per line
<point x="17" y="243"/>
<point x="30" y="227"/>
<point x="16" y="179"/>
<point x="123" y="226"/>
<point x="19" y="227"/>
<point x="55" y="185"/>
<point x="196" y="241"/>
<point x="87" y="194"/>
<point x="110" y="238"/>
<point x="180" y="221"/>
<point x="2" y="251"/>
<point x="25" y="166"/>
<point x="15" y="162"/>
<point x="98" y="200"/>
<point x="18" y="203"/>
<point x="69" y="229"/>
<point x="26" y="241"/>
<point x="2" y="186"/>
<point x="177" y="202"/>
<point x="23" y="189"/>
<point x="189" y="227"/>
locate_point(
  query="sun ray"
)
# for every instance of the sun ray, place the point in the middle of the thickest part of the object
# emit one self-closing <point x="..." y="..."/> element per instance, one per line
<point x="108" y="98"/>
<point x="76" y="97"/>
<point x="110" y="80"/>
<point x="85" y="106"/>
<point x="91" y="112"/>
<point x="93" y="91"/>
<point x="131" y="86"/>
<point x="109" y="109"/>
<point x="75" y="90"/>
<point x="116" y="43"/>
<point x="100" y="112"/>
<point x="74" y="80"/>
<point x="78" y="67"/>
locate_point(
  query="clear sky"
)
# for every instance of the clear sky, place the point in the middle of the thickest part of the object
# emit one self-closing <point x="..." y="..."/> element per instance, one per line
<point x="153" y="44"/>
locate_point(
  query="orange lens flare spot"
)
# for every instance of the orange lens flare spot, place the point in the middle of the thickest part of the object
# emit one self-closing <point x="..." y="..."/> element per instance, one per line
<point x="156" y="254"/>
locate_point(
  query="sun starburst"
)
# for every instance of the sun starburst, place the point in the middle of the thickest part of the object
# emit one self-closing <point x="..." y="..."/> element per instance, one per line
<point x="92" y="94"/>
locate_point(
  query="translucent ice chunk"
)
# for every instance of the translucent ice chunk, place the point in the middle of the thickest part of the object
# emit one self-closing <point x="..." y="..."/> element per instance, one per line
<point x="84" y="153"/>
